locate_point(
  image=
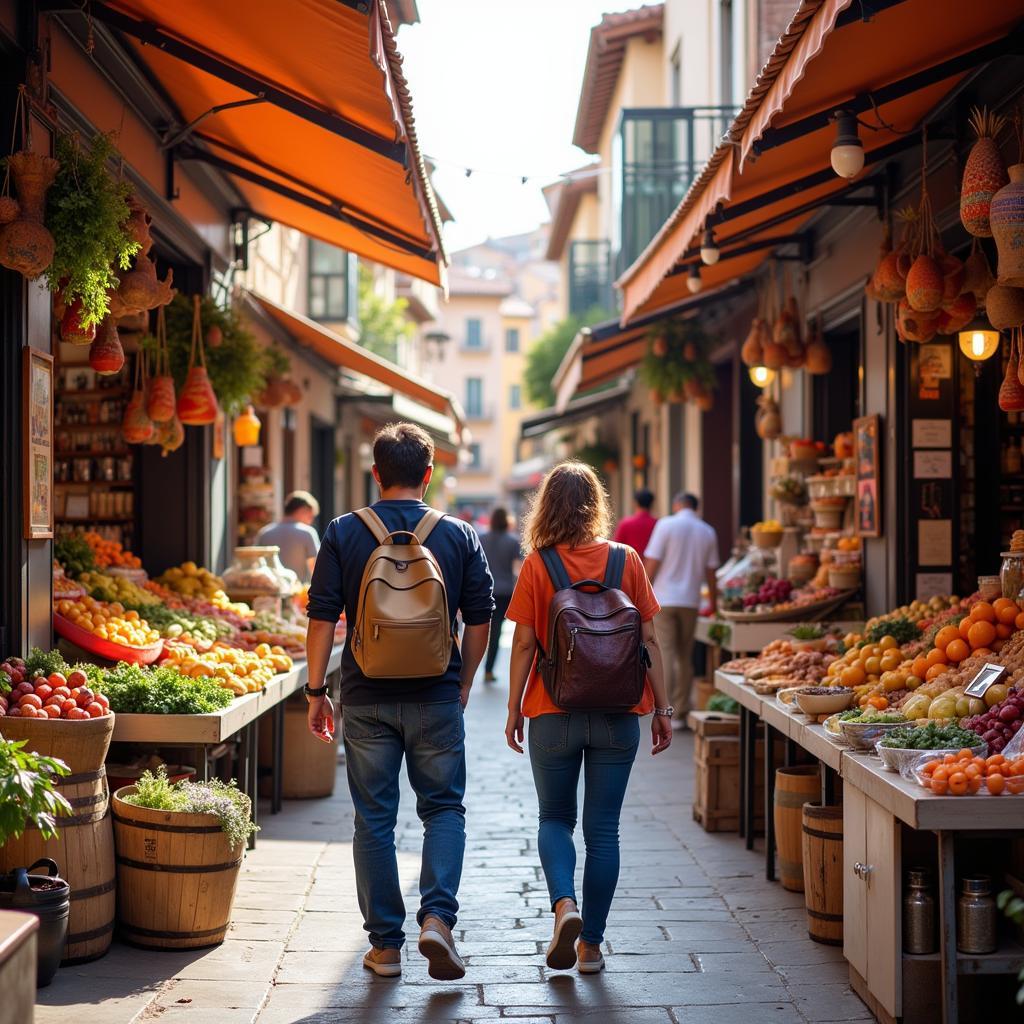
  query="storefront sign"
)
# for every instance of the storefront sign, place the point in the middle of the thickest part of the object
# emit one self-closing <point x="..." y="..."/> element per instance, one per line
<point x="988" y="676"/>
<point x="931" y="434"/>
<point x="37" y="458"/>
<point x="933" y="465"/>
<point x="933" y="584"/>
<point x="867" y="442"/>
<point x="935" y="541"/>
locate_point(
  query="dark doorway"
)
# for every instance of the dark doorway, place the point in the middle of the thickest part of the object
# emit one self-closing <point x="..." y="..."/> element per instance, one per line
<point x="717" y="496"/>
<point x="748" y="452"/>
<point x="321" y="471"/>
<point x="836" y="395"/>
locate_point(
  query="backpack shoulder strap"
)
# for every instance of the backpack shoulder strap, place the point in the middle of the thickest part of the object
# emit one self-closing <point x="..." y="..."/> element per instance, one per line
<point x="616" y="566"/>
<point x="556" y="569"/>
<point x="426" y="525"/>
<point x="373" y="523"/>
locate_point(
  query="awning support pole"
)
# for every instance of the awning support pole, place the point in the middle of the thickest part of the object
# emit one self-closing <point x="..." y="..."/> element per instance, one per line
<point x="170" y="141"/>
<point x="148" y="34"/>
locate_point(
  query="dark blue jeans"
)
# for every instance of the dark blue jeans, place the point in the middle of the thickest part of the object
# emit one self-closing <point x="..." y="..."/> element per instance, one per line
<point x="605" y="745"/>
<point x="431" y="738"/>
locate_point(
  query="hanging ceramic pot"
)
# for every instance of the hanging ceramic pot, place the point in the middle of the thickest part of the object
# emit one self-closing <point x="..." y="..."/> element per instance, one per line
<point x="170" y="436"/>
<point x="1011" y="392"/>
<point x="819" y="356"/>
<point x="25" y="244"/>
<point x="924" y="284"/>
<point x="984" y="173"/>
<point x="659" y="346"/>
<point x="1007" y="220"/>
<point x="775" y="356"/>
<point x="72" y="330"/>
<point x="137" y="225"/>
<point x="161" y="403"/>
<point x="292" y="391"/>
<point x="1005" y="307"/>
<point x="273" y="395"/>
<point x="214" y="336"/>
<point x="752" y="352"/>
<point x="197" y="403"/>
<point x="106" y="355"/>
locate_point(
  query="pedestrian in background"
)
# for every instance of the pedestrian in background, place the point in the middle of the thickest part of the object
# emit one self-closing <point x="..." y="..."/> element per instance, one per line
<point x="636" y="530"/>
<point x="570" y="515"/>
<point x="681" y="556"/>
<point x="294" y="534"/>
<point x="504" y="557"/>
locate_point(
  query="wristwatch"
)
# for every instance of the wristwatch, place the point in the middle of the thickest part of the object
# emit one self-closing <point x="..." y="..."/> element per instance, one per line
<point x="319" y="691"/>
<point x="668" y="712"/>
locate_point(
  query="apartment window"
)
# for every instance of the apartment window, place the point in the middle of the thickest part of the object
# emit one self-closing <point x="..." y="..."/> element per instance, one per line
<point x="474" y="396"/>
<point x="475" y="456"/>
<point x="677" y="76"/>
<point x="515" y="396"/>
<point x="474" y="332"/>
<point x="726" y="54"/>
<point x="332" y="282"/>
<point x="512" y="339"/>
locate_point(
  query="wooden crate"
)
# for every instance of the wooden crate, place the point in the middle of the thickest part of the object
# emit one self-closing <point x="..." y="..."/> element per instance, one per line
<point x="716" y="758"/>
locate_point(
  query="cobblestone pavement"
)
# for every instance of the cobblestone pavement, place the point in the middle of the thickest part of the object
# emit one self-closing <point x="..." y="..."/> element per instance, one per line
<point x="695" y="935"/>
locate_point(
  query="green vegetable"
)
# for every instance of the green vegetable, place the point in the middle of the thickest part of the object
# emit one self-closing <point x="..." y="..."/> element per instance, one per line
<point x="27" y="796"/>
<point x="722" y="703"/>
<point x="45" y="662"/>
<point x="872" y="717"/>
<point x="171" y="622"/>
<point x="807" y="633"/>
<point x="903" y="630"/>
<point x="132" y="689"/>
<point x="73" y="552"/>
<point x="931" y="737"/>
<point x="719" y="632"/>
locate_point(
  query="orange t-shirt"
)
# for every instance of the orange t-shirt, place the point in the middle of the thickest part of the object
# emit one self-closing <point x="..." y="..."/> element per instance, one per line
<point x="533" y="594"/>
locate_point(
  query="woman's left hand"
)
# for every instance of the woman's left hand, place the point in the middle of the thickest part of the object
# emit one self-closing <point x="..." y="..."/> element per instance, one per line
<point x="661" y="733"/>
<point x="514" y="730"/>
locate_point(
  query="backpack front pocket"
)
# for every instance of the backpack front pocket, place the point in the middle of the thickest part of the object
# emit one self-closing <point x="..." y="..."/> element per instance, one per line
<point x="405" y="649"/>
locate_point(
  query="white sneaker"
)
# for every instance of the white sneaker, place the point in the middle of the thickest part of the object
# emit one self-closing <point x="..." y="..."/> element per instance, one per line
<point x="561" y="955"/>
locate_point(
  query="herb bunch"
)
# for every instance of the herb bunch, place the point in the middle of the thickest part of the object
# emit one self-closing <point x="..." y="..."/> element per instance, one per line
<point x="132" y="689"/>
<point x="27" y="796"/>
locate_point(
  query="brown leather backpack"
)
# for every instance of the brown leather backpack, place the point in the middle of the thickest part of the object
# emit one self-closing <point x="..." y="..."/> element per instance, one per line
<point x="596" y="658"/>
<point x="402" y="629"/>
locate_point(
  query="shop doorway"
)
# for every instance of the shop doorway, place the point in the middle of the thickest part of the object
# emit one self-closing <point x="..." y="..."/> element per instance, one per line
<point x="321" y="471"/>
<point x="835" y="396"/>
<point x="718" y="494"/>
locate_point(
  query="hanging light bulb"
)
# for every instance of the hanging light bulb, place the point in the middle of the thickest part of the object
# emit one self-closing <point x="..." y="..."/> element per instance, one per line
<point x="709" y="248"/>
<point x="847" y="151"/>
<point x="693" y="281"/>
<point x="978" y="343"/>
<point x="246" y="428"/>
<point x="761" y="376"/>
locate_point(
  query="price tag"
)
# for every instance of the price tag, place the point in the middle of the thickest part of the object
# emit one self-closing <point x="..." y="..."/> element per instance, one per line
<point x="988" y="676"/>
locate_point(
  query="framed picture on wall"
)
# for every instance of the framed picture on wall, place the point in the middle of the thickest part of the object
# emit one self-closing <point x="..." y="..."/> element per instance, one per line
<point x="37" y="458"/>
<point x="867" y="443"/>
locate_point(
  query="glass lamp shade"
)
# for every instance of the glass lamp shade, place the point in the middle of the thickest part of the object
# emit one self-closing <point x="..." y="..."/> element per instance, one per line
<point x="693" y="281"/>
<point x="709" y="251"/>
<point x="847" y="151"/>
<point x="246" y="428"/>
<point x="978" y="343"/>
<point x="761" y="376"/>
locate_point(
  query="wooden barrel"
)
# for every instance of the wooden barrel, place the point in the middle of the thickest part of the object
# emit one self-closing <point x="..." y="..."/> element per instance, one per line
<point x="823" y="872"/>
<point x="176" y="877"/>
<point x="793" y="788"/>
<point x="84" y="849"/>
<point x="309" y="767"/>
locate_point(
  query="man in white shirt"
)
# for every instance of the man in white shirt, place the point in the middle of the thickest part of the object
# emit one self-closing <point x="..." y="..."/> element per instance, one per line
<point x="681" y="555"/>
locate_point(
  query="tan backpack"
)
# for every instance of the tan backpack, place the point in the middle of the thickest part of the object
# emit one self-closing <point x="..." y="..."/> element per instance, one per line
<point x="402" y="629"/>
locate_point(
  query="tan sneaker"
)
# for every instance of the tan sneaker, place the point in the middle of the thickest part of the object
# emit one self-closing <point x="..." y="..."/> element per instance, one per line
<point x="590" y="958"/>
<point x="385" y="963"/>
<point x="438" y="946"/>
<point x="561" y="954"/>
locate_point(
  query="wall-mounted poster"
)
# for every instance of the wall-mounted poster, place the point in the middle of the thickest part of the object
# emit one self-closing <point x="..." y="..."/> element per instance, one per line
<point x="867" y="443"/>
<point x="37" y="458"/>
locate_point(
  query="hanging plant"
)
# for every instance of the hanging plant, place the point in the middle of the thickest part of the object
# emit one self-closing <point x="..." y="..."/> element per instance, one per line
<point x="598" y="456"/>
<point x="87" y="213"/>
<point x="684" y="372"/>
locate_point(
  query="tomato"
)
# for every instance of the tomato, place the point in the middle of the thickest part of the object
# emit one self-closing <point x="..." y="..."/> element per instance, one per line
<point x="102" y="700"/>
<point x="61" y="691"/>
<point x="67" y="707"/>
<point x="28" y="711"/>
<point x="95" y="710"/>
<point x="52" y="710"/>
<point x="85" y="697"/>
<point x="77" y="713"/>
<point x="996" y="784"/>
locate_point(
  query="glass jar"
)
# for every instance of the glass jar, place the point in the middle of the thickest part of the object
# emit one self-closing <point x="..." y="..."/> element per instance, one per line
<point x="918" y="914"/>
<point x="1011" y="574"/>
<point x="976" y="916"/>
<point x="251" y="579"/>
<point x="289" y="580"/>
<point x="990" y="587"/>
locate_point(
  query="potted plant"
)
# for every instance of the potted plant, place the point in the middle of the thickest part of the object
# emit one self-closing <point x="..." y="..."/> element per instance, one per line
<point x="191" y="832"/>
<point x="28" y="799"/>
<point x="676" y="366"/>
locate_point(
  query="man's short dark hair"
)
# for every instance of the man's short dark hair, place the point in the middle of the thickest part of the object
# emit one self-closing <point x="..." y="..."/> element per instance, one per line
<point x="402" y="453"/>
<point x="299" y="500"/>
<point x="644" y="498"/>
<point x="688" y="500"/>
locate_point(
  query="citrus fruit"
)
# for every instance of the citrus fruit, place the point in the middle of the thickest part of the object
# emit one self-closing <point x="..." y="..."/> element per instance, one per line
<point x="981" y="634"/>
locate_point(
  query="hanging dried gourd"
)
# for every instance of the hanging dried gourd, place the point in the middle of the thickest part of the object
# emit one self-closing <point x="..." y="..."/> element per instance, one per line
<point x="1011" y="392"/>
<point x="106" y="354"/>
<point x="984" y="173"/>
<point x="819" y="355"/>
<point x="1004" y="306"/>
<point x="170" y="436"/>
<point x="953" y="274"/>
<point x="72" y="330"/>
<point x="914" y="326"/>
<point x="140" y="289"/>
<point x="1006" y="217"/>
<point x="162" y="402"/>
<point x="978" y="277"/>
<point x="925" y="277"/>
<point x="197" y="403"/>
<point x="752" y="352"/>
<point x="25" y="243"/>
<point x="137" y="427"/>
<point x="957" y="314"/>
<point x="768" y="421"/>
<point x="888" y="284"/>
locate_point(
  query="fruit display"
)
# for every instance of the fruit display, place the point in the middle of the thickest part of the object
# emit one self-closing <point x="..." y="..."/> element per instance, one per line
<point x="932" y="736"/>
<point x="116" y="588"/>
<point x="964" y="774"/>
<point x="69" y="697"/>
<point x="109" y="553"/>
<point x="780" y="666"/>
<point x="74" y="553"/>
<point x="1001" y="721"/>
<point x="191" y="580"/>
<point x="918" y="612"/>
<point x="760" y="592"/>
<point x="879" y="673"/>
<point x="199" y="631"/>
<point x="108" y="621"/>
<point x="236" y="670"/>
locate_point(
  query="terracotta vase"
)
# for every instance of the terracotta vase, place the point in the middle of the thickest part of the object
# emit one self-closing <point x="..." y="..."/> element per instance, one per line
<point x="72" y="330"/>
<point x="25" y="244"/>
<point x="136" y="427"/>
<point x="138" y="224"/>
<point x="1011" y="392"/>
<point x="106" y="356"/>
<point x="1007" y="220"/>
<point x="1004" y="306"/>
<point x="273" y="395"/>
<point x="292" y="391"/>
<point x="140" y="288"/>
<point x="984" y="175"/>
<point x="819" y="356"/>
<point x="924" y="284"/>
<point x="197" y="403"/>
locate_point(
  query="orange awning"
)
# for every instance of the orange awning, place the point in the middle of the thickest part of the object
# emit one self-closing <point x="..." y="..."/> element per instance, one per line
<point x="304" y="107"/>
<point x="345" y="354"/>
<point x="774" y="163"/>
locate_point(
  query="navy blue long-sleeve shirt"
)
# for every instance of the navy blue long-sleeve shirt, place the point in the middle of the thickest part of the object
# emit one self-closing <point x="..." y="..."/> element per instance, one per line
<point x="344" y="552"/>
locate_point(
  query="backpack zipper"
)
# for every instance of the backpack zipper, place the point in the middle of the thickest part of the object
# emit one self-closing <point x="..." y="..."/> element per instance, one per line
<point x="573" y="630"/>
<point x="408" y="624"/>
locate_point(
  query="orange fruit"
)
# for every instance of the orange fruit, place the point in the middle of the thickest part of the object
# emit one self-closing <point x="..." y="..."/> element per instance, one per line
<point x="934" y="671"/>
<point x="921" y="666"/>
<point x="983" y="651"/>
<point x="994" y="761"/>
<point x="936" y="657"/>
<point x="981" y="634"/>
<point x="965" y="624"/>
<point x="946" y="636"/>
<point x="941" y="773"/>
<point x="1003" y="631"/>
<point x="996" y="784"/>
<point x="983" y="612"/>
<point x="1008" y="612"/>
<point x="957" y="783"/>
<point x="939" y="786"/>
<point x="1019" y="621"/>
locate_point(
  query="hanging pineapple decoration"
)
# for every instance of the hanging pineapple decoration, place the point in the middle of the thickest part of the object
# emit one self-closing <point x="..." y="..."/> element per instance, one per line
<point x="984" y="173"/>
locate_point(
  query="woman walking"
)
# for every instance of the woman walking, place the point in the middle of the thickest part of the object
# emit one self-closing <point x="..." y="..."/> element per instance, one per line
<point x="570" y="515"/>
<point x="503" y="556"/>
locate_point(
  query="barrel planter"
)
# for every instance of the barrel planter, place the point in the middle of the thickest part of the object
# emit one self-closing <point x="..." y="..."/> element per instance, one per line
<point x="794" y="787"/>
<point x="84" y="847"/>
<point x="823" y="872"/>
<point x="309" y="766"/>
<point x="176" y="876"/>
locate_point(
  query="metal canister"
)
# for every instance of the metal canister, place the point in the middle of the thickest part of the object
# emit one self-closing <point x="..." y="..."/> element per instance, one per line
<point x="918" y="913"/>
<point x="976" y="916"/>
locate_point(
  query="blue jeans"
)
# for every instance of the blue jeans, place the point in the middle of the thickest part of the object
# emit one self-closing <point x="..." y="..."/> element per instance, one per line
<point x="605" y="745"/>
<point x="431" y="737"/>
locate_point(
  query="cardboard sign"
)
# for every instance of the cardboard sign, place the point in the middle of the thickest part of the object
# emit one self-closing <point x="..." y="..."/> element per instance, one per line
<point x="988" y="676"/>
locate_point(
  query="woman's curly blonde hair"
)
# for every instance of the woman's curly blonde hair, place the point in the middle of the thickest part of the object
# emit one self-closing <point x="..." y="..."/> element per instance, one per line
<point x="570" y="507"/>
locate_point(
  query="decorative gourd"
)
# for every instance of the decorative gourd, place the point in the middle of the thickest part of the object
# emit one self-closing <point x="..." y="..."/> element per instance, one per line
<point x="914" y="326"/>
<point x="25" y="244"/>
<point x="984" y="173"/>
<point x="953" y="273"/>
<point x="161" y="403"/>
<point x="752" y="352"/>
<point x="1011" y="392"/>
<point x="1007" y="221"/>
<point x="72" y="329"/>
<point x="924" y="284"/>
<point x="9" y="209"/>
<point x="1005" y="306"/>
<point x="775" y="356"/>
<point x="977" y="274"/>
<point x="292" y="391"/>
<point x="197" y="403"/>
<point x="819" y="355"/>
<point x="136" y="427"/>
<point x="888" y="284"/>
<point x="956" y="315"/>
<point x="170" y="436"/>
<point x="768" y="421"/>
<point x="106" y="355"/>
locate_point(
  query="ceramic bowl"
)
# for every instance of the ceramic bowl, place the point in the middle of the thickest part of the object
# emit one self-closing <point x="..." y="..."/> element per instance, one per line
<point x="905" y="759"/>
<point x="864" y="735"/>
<point x="814" y="704"/>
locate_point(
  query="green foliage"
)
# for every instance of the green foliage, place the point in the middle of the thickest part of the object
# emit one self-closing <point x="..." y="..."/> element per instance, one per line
<point x="221" y="799"/>
<point x="132" y="689"/>
<point x="677" y="360"/>
<point x="171" y="623"/>
<point x="27" y="796"/>
<point x="45" y="662"/>
<point x="807" y="632"/>
<point x="87" y="213"/>
<point x="73" y="552"/>
<point x="545" y="355"/>
<point x="382" y="323"/>
<point x="596" y="456"/>
<point x="902" y="629"/>
<point x="1013" y="907"/>
<point x="723" y="704"/>
<point x="719" y="633"/>
<point x="238" y="367"/>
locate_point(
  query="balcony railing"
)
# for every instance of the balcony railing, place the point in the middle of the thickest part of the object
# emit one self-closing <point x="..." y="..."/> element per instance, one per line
<point x="658" y="152"/>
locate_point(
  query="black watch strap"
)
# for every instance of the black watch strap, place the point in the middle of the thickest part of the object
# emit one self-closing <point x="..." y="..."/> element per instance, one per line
<point x="311" y="692"/>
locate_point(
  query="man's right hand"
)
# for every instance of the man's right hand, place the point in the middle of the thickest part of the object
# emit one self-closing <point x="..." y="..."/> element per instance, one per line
<point x="320" y="717"/>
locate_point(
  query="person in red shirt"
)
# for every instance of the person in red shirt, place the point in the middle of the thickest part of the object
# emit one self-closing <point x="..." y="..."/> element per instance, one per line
<point x="636" y="530"/>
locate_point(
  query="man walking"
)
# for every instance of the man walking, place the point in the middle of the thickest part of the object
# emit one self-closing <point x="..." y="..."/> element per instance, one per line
<point x="681" y="555"/>
<point x="386" y="720"/>
<point x="636" y="530"/>
<point x="294" y="534"/>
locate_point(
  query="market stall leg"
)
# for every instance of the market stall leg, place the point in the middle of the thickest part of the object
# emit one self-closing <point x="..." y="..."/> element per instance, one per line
<point x="741" y="818"/>
<point x="769" y="802"/>
<point x="750" y="741"/>
<point x="277" y="762"/>
<point x="947" y="926"/>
